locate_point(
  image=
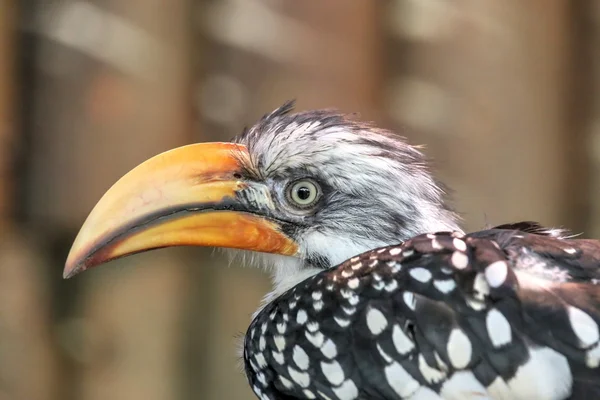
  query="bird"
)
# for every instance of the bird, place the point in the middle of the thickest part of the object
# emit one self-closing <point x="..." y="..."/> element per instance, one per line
<point x="378" y="293"/>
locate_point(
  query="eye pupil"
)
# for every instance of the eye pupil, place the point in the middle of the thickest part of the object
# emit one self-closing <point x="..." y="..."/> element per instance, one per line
<point x="303" y="193"/>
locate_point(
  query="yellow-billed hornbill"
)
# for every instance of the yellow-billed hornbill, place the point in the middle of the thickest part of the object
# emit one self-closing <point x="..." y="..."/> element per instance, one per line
<point x="378" y="294"/>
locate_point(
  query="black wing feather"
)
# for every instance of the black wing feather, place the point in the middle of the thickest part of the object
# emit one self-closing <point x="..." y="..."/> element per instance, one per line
<point x="414" y="319"/>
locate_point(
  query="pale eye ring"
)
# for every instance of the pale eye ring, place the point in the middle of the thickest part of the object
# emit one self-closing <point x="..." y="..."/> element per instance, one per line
<point x="303" y="193"/>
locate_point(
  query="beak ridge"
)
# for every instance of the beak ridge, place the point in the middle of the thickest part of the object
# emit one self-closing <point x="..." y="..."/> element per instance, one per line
<point x="183" y="197"/>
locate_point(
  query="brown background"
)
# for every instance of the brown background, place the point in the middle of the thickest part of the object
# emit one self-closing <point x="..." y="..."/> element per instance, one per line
<point x="505" y="94"/>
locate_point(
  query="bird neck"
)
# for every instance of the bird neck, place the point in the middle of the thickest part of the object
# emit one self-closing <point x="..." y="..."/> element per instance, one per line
<point x="289" y="272"/>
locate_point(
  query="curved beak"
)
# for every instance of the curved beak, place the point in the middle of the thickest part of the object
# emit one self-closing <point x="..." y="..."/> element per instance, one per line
<point x="190" y="196"/>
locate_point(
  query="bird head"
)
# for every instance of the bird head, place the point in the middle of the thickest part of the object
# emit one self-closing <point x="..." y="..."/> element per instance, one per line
<point x="302" y="191"/>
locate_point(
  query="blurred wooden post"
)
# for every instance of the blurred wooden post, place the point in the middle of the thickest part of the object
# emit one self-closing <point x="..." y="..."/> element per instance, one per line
<point x="28" y="367"/>
<point x="324" y="54"/>
<point x="7" y="117"/>
<point x="484" y="87"/>
<point x="133" y="317"/>
<point x="593" y="128"/>
<point x="517" y="121"/>
<point x="113" y="91"/>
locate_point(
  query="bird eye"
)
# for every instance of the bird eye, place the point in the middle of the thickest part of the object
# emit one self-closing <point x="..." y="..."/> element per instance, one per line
<point x="303" y="193"/>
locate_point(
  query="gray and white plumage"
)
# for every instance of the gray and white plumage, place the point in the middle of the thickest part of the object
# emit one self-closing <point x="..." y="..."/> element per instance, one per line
<point x="377" y="189"/>
<point x="506" y="313"/>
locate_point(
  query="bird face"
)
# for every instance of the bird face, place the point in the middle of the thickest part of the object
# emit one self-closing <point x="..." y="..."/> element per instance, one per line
<point x="303" y="192"/>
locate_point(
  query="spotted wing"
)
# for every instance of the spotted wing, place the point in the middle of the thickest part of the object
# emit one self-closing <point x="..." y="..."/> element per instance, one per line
<point x="439" y="317"/>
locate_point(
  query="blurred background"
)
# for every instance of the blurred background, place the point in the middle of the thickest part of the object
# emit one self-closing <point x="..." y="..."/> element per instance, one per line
<point x="504" y="94"/>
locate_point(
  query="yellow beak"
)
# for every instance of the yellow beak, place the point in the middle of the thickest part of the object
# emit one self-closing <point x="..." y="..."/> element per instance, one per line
<point x="190" y="196"/>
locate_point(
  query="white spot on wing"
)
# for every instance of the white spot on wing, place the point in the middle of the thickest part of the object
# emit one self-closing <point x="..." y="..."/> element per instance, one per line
<point x="546" y="375"/>
<point x="480" y="287"/>
<point x="312" y="326"/>
<point x="329" y="349"/>
<point x="353" y="283"/>
<point x="333" y="372"/>
<point x="459" y="349"/>
<point x="445" y="285"/>
<point x="287" y="383"/>
<point x="308" y="394"/>
<point x="278" y="357"/>
<point x="378" y="285"/>
<point x="402" y="343"/>
<point x="376" y="321"/>
<point x="261" y="378"/>
<point x="391" y="286"/>
<point x="420" y="274"/>
<point x="584" y="327"/>
<point x="475" y="304"/>
<point x="496" y="273"/>
<point x="301" y="317"/>
<point x="341" y="322"/>
<point x="318" y="305"/>
<point x="459" y="244"/>
<point x="592" y="357"/>
<point x="257" y="391"/>
<point x="498" y="328"/>
<point x="346" y="391"/>
<point x="301" y="378"/>
<point x="395" y="267"/>
<point x="300" y="358"/>
<point x="316" y="338"/>
<point x="281" y="327"/>
<point x="395" y="251"/>
<point x="459" y="260"/>
<point x="401" y="381"/>
<point x="348" y="310"/>
<point x="357" y="266"/>
<point x="260" y="360"/>
<point x="262" y="343"/>
<point x="279" y="342"/>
